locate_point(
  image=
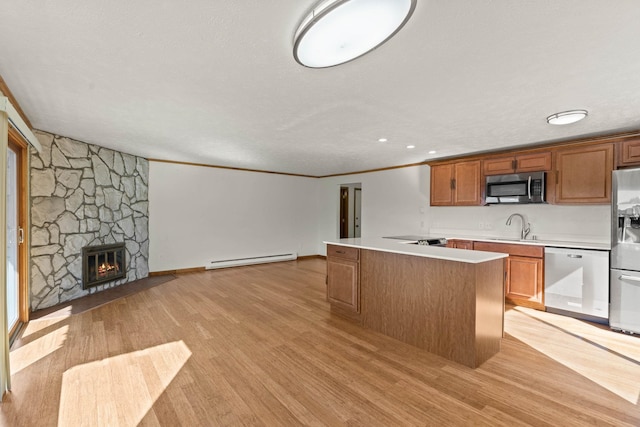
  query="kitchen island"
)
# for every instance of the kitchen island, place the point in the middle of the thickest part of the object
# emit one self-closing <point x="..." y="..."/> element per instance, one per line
<point x="447" y="301"/>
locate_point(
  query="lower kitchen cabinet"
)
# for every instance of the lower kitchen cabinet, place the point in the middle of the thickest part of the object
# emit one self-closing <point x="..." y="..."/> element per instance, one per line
<point x="524" y="274"/>
<point x="524" y="285"/>
<point x="343" y="278"/>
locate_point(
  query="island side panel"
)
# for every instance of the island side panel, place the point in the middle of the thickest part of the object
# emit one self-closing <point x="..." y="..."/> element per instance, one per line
<point x="425" y="302"/>
<point x="489" y="309"/>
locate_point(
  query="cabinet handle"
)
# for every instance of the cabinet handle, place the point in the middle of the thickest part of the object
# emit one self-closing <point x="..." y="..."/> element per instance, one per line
<point x="514" y="164"/>
<point x="339" y="252"/>
<point x="453" y="184"/>
<point x="574" y="256"/>
<point x="632" y="278"/>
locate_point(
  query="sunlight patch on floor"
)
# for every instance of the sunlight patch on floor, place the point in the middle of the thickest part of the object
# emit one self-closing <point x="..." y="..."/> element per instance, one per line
<point x="31" y="352"/>
<point x="617" y="366"/>
<point x="34" y="326"/>
<point x="119" y="390"/>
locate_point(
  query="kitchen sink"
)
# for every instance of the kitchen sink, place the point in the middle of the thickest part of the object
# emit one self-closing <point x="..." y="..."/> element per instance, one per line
<point x="510" y="239"/>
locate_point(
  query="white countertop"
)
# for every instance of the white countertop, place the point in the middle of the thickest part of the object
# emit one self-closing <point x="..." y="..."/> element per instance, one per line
<point x="553" y="243"/>
<point x="404" y="247"/>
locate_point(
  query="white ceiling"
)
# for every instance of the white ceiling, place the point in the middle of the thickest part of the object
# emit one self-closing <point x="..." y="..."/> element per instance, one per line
<point x="215" y="82"/>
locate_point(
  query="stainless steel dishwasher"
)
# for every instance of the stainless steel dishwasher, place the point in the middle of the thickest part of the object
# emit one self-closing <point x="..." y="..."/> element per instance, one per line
<point x="576" y="283"/>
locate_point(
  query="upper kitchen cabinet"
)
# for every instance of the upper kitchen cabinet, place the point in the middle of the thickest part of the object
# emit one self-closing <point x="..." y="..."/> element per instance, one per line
<point x="532" y="162"/>
<point x="456" y="184"/>
<point x="629" y="153"/>
<point x="583" y="174"/>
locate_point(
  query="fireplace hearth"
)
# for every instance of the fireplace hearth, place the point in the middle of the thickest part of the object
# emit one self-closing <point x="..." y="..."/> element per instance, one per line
<point x="103" y="263"/>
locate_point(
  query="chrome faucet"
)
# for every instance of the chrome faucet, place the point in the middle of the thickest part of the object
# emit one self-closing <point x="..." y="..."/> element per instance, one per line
<point x="524" y="231"/>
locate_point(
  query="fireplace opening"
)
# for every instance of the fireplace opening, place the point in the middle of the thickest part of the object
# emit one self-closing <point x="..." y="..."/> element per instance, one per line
<point x="103" y="263"/>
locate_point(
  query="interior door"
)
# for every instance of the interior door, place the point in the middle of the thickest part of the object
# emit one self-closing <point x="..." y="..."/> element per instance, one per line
<point x="357" y="208"/>
<point x="344" y="212"/>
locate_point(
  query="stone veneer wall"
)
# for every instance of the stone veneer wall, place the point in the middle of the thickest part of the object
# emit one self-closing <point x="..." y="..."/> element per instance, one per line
<point x="84" y="195"/>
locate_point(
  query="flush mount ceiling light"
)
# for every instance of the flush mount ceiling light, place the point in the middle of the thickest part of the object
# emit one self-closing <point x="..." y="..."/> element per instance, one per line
<point x="338" y="31"/>
<point x="382" y="140"/>
<point x="567" y="117"/>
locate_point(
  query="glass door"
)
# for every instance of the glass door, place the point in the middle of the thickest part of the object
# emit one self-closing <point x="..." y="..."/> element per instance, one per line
<point x="13" y="238"/>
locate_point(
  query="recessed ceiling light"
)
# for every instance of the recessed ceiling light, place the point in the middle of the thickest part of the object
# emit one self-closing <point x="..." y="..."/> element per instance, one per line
<point x="566" y="117"/>
<point x="432" y="152"/>
<point x="411" y="146"/>
<point x="338" y="31"/>
<point x="382" y="140"/>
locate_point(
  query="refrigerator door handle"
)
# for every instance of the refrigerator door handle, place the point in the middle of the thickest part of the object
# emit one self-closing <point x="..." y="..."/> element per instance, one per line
<point x="631" y="278"/>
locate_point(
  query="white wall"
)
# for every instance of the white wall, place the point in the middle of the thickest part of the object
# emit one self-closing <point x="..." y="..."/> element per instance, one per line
<point x="199" y="214"/>
<point x="394" y="202"/>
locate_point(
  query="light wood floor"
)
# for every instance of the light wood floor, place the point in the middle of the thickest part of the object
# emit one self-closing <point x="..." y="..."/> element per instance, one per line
<point x="258" y="346"/>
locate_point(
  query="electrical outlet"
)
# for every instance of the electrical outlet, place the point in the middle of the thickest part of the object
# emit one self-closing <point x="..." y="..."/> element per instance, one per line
<point x="488" y="226"/>
<point x="481" y="225"/>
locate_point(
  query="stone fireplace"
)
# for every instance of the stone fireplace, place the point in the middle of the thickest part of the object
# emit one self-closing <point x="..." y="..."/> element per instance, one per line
<point x="103" y="263"/>
<point x="84" y="195"/>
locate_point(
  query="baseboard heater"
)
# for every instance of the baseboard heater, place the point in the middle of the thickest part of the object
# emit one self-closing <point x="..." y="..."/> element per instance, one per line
<point x="251" y="260"/>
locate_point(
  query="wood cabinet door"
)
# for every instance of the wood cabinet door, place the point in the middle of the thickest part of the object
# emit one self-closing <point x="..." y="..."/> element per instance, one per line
<point x="583" y="175"/>
<point x="467" y="187"/>
<point x="629" y="153"/>
<point x="442" y="185"/>
<point x="343" y="283"/>
<point x="498" y="165"/>
<point x="535" y="162"/>
<point x="524" y="284"/>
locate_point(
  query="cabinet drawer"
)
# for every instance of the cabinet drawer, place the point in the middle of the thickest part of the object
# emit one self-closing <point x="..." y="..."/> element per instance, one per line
<point x="506" y="248"/>
<point x="343" y="252"/>
<point x="460" y="244"/>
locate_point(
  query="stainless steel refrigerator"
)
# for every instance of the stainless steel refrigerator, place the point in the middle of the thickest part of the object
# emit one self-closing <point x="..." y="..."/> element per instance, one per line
<point x="624" y="312"/>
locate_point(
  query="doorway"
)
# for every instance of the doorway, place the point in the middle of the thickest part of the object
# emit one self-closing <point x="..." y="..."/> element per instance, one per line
<point x="357" y="207"/>
<point x="350" y="217"/>
<point x="16" y="254"/>
<point x="344" y="212"/>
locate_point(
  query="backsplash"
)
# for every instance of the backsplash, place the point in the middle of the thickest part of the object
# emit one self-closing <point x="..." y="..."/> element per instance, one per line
<point x="585" y="223"/>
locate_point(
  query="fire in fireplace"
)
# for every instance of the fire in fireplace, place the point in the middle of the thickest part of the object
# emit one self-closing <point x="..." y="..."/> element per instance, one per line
<point x="103" y="263"/>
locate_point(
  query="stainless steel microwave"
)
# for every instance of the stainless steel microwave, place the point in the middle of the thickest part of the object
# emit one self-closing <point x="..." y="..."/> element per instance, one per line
<point x="516" y="188"/>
